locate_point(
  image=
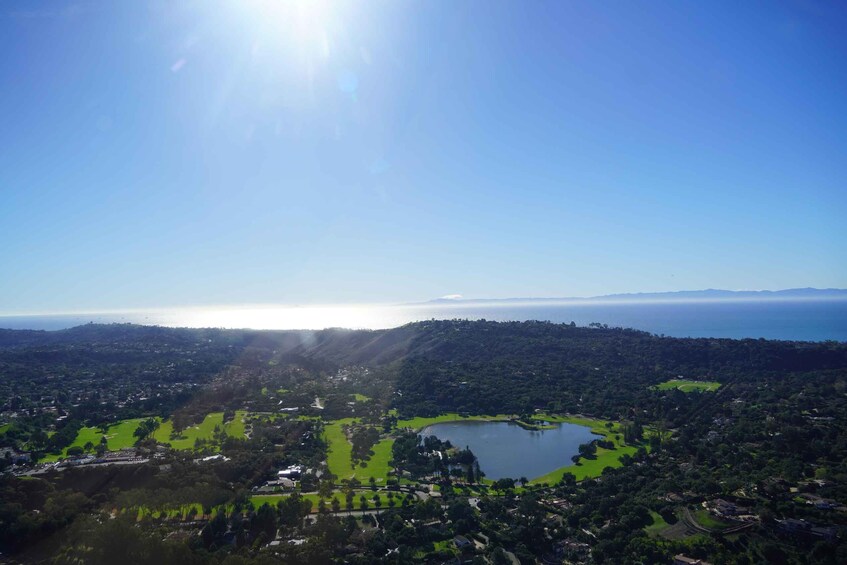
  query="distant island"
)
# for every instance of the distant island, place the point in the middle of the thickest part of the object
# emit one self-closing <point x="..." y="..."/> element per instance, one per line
<point x="682" y="295"/>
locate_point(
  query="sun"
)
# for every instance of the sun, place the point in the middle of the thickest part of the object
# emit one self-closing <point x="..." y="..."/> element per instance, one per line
<point x="294" y="35"/>
<point x="300" y="20"/>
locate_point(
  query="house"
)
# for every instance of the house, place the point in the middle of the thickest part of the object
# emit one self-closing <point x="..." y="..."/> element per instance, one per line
<point x="807" y="530"/>
<point x="15" y="457"/>
<point x="211" y="458"/>
<point x="792" y="525"/>
<point x="291" y="472"/>
<point x="685" y="560"/>
<point x="462" y="542"/>
<point x="725" y="508"/>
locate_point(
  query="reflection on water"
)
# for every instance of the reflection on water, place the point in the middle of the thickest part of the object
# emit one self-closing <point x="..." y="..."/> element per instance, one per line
<point x="507" y="450"/>
<point x="812" y="320"/>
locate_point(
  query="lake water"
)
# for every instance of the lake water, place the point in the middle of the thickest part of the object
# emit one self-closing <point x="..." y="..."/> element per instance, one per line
<point x="507" y="450"/>
<point x="806" y="320"/>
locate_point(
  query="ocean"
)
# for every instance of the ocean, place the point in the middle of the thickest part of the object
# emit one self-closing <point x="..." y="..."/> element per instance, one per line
<point x="803" y="320"/>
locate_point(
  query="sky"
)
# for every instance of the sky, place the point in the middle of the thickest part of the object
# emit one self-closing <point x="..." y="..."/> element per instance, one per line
<point x="157" y="154"/>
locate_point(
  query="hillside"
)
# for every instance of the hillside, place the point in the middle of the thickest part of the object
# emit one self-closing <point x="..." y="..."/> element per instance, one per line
<point x="677" y="422"/>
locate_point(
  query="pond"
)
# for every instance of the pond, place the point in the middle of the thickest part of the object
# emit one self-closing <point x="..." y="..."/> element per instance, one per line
<point x="508" y="450"/>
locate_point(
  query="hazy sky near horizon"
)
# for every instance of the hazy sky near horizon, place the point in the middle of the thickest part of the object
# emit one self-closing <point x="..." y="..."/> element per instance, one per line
<point x="264" y="151"/>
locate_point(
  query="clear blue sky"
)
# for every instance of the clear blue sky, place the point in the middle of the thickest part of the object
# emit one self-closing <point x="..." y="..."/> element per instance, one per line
<point x="253" y="151"/>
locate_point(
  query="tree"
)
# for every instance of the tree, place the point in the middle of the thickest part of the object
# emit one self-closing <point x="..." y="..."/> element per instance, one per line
<point x="504" y="484"/>
<point x="568" y="479"/>
<point x="215" y="529"/>
<point x="146" y="428"/>
<point x="633" y="432"/>
<point x="38" y="438"/>
<point x="588" y="450"/>
<point x="264" y="520"/>
<point x="325" y="489"/>
<point x="499" y="557"/>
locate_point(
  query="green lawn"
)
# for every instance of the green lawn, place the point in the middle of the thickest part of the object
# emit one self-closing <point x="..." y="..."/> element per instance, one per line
<point x="121" y="434"/>
<point x="420" y="423"/>
<point x="273" y="499"/>
<point x="588" y="468"/>
<point x="118" y="436"/>
<point x="445" y="545"/>
<point x="708" y="521"/>
<point x="339" y="451"/>
<point x="689" y="386"/>
<point x="178" y="512"/>
<point x="204" y="430"/>
<point x="657" y="526"/>
<point x="361" y="397"/>
<point x="279" y="391"/>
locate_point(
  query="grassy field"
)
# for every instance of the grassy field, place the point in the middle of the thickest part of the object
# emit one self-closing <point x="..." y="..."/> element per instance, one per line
<point x="657" y="526"/>
<point x="204" y="430"/>
<point x="178" y="512"/>
<point x="118" y="436"/>
<point x="339" y="451"/>
<point x="588" y="468"/>
<point x="360" y="397"/>
<point x="273" y="499"/>
<point x="420" y="423"/>
<point x="445" y="545"/>
<point x="689" y="386"/>
<point x="677" y="531"/>
<point x="705" y="518"/>
<point x="121" y="434"/>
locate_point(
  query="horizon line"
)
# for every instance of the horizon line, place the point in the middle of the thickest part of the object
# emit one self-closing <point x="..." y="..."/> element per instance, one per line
<point x="677" y="296"/>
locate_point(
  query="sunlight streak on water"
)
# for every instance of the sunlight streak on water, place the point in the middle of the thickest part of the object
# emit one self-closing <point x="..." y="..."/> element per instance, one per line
<point x="805" y="320"/>
<point x="296" y="317"/>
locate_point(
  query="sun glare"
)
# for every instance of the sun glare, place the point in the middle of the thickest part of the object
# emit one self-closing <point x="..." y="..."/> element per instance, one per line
<point x="306" y="23"/>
